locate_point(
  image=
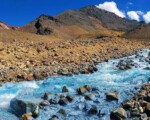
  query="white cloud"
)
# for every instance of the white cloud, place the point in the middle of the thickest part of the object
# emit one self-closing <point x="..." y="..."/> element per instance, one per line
<point x="146" y="17"/>
<point x="111" y="7"/>
<point x="140" y="12"/>
<point x="133" y="15"/>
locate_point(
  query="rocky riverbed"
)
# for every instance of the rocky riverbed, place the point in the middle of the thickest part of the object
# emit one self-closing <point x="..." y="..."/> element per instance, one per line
<point x="25" y="60"/>
<point x="84" y="96"/>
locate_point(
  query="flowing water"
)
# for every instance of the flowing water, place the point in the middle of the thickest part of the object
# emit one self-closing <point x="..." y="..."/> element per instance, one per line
<point x="107" y="79"/>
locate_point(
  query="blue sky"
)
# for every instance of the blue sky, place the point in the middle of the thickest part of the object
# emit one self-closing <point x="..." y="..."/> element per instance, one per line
<point x="20" y="12"/>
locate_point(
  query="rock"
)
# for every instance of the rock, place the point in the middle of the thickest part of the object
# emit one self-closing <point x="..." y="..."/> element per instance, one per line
<point x="112" y="96"/>
<point x="143" y="103"/>
<point x="44" y="103"/>
<point x="70" y="98"/>
<point x="147" y="109"/>
<point x="93" y="110"/>
<point x="54" y="117"/>
<point x="63" y="71"/>
<point x="23" y="106"/>
<point x="26" y="116"/>
<point x="63" y="112"/>
<point x="65" y="89"/>
<point x="118" y="114"/>
<point x="62" y="95"/>
<point x="95" y="89"/>
<point x="53" y="101"/>
<point x="142" y="93"/>
<point x="148" y="97"/>
<point x="46" y="95"/>
<point x="63" y="101"/>
<point x="135" y="112"/>
<point x="87" y="87"/>
<point x="81" y="90"/>
<point x="125" y="64"/>
<point x="128" y="104"/>
<point x="143" y="117"/>
<point x="89" y="96"/>
<point x="147" y="68"/>
<point x="84" y="89"/>
<point x="36" y="112"/>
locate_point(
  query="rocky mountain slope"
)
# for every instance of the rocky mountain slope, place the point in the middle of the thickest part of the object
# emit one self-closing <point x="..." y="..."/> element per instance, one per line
<point x="110" y="20"/>
<point x="70" y="24"/>
<point x="141" y="32"/>
<point x="88" y="21"/>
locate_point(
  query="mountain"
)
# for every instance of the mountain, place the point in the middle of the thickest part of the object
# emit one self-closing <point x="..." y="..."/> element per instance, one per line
<point x="3" y="26"/>
<point x="89" y="21"/>
<point x="78" y="18"/>
<point x="69" y="24"/>
<point x="48" y="25"/>
<point x="141" y="32"/>
<point x="42" y="25"/>
<point x="110" y="20"/>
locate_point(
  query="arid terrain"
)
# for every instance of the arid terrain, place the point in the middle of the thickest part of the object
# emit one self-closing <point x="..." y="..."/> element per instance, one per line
<point x="70" y="43"/>
<point x="26" y="56"/>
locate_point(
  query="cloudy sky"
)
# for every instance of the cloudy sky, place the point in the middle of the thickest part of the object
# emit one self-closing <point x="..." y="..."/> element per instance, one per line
<point x="20" y="12"/>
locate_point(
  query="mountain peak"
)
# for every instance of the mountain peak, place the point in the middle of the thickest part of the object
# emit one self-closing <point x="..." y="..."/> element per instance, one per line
<point x="110" y="20"/>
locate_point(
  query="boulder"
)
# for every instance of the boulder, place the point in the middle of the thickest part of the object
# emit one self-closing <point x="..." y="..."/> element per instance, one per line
<point x="128" y="104"/>
<point x="26" y="116"/>
<point x="62" y="95"/>
<point x="63" y="112"/>
<point x="53" y="101"/>
<point x="147" y="109"/>
<point x="65" y="89"/>
<point x="23" y="106"/>
<point x="54" y="117"/>
<point x="93" y="110"/>
<point x="46" y="95"/>
<point x="36" y="112"/>
<point x="81" y="90"/>
<point x="118" y="114"/>
<point x="63" y="101"/>
<point x="87" y="87"/>
<point x="70" y="98"/>
<point x="112" y="96"/>
<point x="89" y="96"/>
<point x="84" y="89"/>
<point x="44" y="103"/>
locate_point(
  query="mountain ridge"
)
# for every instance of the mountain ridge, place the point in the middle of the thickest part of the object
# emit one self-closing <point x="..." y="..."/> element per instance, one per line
<point x="74" y="23"/>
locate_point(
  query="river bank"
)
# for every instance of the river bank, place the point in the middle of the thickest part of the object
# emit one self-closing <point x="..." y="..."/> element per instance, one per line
<point x="35" y="60"/>
<point x="89" y="96"/>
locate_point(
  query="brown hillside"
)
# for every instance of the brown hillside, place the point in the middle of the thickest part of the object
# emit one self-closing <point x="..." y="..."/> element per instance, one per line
<point x="141" y="32"/>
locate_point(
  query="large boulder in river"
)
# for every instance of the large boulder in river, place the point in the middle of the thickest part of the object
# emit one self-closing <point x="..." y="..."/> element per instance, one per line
<point x="112" y="96"/>
<point x="118" y="114"/>
<point x="84" y="89"/>
<point x="23" y="106"/>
